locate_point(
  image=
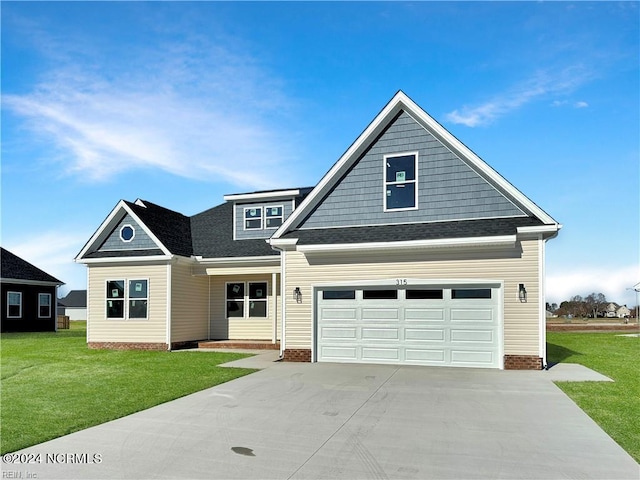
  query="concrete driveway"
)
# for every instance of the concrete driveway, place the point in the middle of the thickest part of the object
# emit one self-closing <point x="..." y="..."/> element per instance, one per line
<point x="329" y="421"/>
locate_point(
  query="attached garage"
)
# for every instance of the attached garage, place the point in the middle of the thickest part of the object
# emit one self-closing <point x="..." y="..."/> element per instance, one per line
<point x="438" y="325"/>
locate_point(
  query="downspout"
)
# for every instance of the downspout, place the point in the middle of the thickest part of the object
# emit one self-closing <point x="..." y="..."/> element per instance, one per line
<point x="169" y="293"/>
<point x="283" y="298"/>
<point x="542" y="310"/>
<point x="274" y="295"/>
<point x="209" y="314"/>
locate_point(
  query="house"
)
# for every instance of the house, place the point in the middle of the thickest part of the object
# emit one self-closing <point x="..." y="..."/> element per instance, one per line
<point x="410" y="250"/>
<point x="623" y="312"/>
<point x="74" y="305"/>
<point x="610" y="310"/>
<point x="28" y="295"/>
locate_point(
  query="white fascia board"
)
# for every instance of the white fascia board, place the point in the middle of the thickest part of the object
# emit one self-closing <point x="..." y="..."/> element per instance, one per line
<point x="262" y="260"/>
<point x="504" y="240"/>
<point x="544" y="229"/>
<point x="18" y="281"/>
<point x="126" y="260"/>
<point x="261" y="195"/>
<point x="393" y="282"/>
<point x="282" y="243"/>
<point x="109" y="224"/>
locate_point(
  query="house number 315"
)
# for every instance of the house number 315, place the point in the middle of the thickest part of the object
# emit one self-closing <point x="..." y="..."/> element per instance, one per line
<point x="401" y="281"/>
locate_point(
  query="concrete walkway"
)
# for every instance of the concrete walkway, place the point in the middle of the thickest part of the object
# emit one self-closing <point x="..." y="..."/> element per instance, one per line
<point x="330" y="421"/>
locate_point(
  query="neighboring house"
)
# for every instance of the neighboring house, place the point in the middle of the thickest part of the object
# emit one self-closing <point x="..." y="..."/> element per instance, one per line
<point x="610" y="310"/>
<point x="623" y="312"/>
<point x="74" y="305"/>
<point x="28" y="296"/>
<point x="410" y="250"/>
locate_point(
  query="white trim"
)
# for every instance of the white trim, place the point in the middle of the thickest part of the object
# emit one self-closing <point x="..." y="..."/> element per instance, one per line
<point x="268" y="259"/>
<point x="282" y="243"/>
<point x="542" y="307"/>
<point x="110" y="223"/>
<point x="274" y="300"/>
<point x="506" y="240"/>
<point x="39" y="305"/>
<point x="283" y="299"/>
<point x="235" y="221"/>
<point x="385" y="182"/>
<point x="401" y="102"/>
<point x="539" y="229"/>
<point x="420" y="222"/>
<point x="168" y="305"/>
<point x="9" y="292"/>
<point x="262" y="195"/>
<point x="132" y="229"/>
<point x="281" y="216"/>
<point x="126" y="260"/>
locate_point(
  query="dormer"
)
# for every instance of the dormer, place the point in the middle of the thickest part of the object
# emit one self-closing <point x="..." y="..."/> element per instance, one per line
<point x="260" y="214"/>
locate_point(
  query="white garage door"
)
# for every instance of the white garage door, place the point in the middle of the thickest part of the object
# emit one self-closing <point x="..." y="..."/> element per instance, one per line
<point x="447" y="326"/>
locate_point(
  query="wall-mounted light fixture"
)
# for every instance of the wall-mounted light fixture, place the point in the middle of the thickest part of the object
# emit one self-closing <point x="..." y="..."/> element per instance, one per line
<point x="522" y="293"/>
<point x="297" y="294"/>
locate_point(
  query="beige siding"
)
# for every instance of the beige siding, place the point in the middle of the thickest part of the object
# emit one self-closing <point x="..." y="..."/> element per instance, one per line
<point x="509" y="265"/>
<point x="189" y="304"/>
<point x="152" y="330"/>
<point x="223" y="328"/>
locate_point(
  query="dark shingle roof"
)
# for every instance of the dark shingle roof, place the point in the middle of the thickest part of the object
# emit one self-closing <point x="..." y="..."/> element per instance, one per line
<point x="15" y="268"/>
<point x="212" y="236"/>
<point x="125" y="253"/>
<point x="172" y="228"/>
<point x="75" y="298"/>
<point x="413" y="231"/>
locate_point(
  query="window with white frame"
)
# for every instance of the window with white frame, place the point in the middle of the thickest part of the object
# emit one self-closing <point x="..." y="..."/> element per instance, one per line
<point x="274" y="216"/>
<point x="127" y="299"/>
<point x="246" y="300"/>
<point x="400" y="181"/>
<point x="253" y="218"/>
<point x="14" y="304"/>
<point x="44" y="305"/>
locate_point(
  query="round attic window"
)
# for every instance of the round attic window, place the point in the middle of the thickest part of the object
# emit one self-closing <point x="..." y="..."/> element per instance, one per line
<point x="127" y="233"/>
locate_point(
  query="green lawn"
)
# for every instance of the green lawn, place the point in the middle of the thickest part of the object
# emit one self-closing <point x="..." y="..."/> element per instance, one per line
<point x="52" y="384"/>
<point x="614" y="406"/>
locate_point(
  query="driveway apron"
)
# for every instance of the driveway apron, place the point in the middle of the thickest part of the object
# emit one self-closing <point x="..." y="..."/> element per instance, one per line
<point x="332" y="421"/>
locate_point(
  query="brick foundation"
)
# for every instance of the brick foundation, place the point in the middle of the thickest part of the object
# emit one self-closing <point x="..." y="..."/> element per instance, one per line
<point x="297" y="355"/>
<point x="127" y="346"/>
<point x="522" y="362"/>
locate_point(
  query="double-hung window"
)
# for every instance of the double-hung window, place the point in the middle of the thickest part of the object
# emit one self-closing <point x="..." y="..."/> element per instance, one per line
<point x="246" y="300"/>
<point x="253" y="218"/>
<point x="127" y="299"/>
<point x="400" y="181"/>
<point x="14" y="304"/>
<point x="44" y="305"/>
<point x="273" y="216"/>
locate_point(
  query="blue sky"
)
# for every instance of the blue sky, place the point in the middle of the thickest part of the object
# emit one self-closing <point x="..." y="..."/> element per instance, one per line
<point x="181" y="103"/>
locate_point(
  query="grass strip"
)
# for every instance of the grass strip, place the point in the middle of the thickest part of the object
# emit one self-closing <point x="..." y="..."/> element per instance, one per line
<point x="614" y="406"/>
<point x="52" y="384"/>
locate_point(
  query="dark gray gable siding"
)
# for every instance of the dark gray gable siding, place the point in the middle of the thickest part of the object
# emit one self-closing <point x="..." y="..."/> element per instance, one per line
<point x="242" y="234"/>
<point x="448" y="189"/>
<point x="141" y="241"/>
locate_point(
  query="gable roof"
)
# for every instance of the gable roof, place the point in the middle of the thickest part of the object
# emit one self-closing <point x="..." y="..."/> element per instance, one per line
<point x="399" y="103"/>
<point x="75" y="298"/>
<point x="15" y="268"/>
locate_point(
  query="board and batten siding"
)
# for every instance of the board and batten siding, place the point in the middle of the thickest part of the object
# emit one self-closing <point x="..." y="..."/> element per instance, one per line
<point x="448" y="188"/>
<point x="189" y="304"/>
<point x="151" y="330"/>
<point x="509" y="265"/>
<point x="223" y="328"/>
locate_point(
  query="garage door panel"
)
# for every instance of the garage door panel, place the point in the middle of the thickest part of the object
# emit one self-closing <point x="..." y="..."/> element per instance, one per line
<point x="430" y="355"/>
<point x="339" y="353"/>
<point x="474" y="336"/>
<point x="471" y="357"/>
<point x="378" y="353"/>
<point x="377" y="333"/>
<point x="422" y="314"/>
<point x="379" y="313"/>
<point x="472" y="314"/>
<point x="424" y="334"/>
<point x="339" y="333"/>
<point x="338" y="314"/>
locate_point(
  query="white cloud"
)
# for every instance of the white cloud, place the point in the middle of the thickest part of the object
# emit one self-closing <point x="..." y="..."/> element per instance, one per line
<point x="581" y="104"/>
<point x="540" y="85"/>
<point x="198" y="112"/>
<point x="613" y="282"/>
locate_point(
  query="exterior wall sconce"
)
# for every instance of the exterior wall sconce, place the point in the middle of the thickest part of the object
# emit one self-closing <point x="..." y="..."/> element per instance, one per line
<point x="522" y="293"/>
<point x="297" y="294"/>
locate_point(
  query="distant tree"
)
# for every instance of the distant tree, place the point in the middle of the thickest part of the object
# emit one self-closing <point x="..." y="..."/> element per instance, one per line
<point x="595" y="303"/>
